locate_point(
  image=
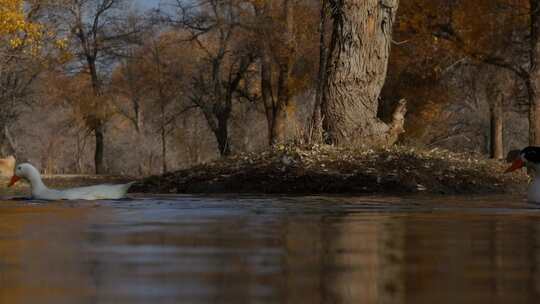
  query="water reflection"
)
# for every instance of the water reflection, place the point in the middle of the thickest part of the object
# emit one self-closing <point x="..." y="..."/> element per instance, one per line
<point x="41" y="255"/>
<point x="303" y="250"/>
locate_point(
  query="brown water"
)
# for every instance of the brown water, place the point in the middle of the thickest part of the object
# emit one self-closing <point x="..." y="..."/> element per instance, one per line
<point x="271" y="250"/>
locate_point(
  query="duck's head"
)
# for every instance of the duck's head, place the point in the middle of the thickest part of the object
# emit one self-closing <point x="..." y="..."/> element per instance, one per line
<point x="530" y="156"/>
<point x="23" y="171"/>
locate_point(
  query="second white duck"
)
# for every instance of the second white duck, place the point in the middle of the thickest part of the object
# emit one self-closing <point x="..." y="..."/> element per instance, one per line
<point x="529" y="157"/>
<point x="40" y="191"/>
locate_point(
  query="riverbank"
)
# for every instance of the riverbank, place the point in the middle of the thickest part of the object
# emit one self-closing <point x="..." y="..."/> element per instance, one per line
<point x="327" y="169"/>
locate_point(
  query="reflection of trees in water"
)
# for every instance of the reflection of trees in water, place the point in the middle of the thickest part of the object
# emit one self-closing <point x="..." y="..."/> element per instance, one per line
<point x="200" y="256"/>
<point x="192" y="259"/>
<point x="277" y="259"/>
<point x="413" y="259"/>
<point x="467" y="259"/>
<point x="39" y="247"/>
<point x="345" y="259"/>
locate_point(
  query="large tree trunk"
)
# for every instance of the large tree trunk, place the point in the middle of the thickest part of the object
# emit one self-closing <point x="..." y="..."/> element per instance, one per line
<point x="496" y="125"/>
<point x="533" y="83"/>
<point x="359" y="53"/>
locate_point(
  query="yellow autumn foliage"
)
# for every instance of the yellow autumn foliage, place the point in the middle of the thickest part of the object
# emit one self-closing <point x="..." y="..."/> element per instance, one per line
<point x="15" y="29"/>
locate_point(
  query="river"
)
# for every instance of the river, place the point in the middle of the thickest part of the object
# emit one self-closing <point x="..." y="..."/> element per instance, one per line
<point x="258" y="249"/>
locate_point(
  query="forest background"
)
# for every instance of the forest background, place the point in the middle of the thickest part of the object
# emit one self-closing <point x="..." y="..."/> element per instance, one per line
<point x="120" y="87"/>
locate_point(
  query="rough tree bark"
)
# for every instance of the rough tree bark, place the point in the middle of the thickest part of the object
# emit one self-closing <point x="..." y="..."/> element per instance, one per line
<point x="359" y="52"/>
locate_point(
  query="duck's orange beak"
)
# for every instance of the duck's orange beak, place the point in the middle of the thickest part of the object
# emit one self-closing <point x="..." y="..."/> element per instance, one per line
<point x="517" y="164"/>
<point x="14" y="179"/>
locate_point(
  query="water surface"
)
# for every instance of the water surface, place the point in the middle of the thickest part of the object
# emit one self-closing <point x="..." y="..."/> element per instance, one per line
<point x="230" y="249"/>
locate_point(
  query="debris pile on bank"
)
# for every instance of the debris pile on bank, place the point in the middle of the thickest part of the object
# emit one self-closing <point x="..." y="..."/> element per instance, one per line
<point x="327" y="169"/>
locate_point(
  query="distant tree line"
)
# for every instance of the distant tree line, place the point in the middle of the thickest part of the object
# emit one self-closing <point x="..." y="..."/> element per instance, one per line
<point x="194" y="80"/>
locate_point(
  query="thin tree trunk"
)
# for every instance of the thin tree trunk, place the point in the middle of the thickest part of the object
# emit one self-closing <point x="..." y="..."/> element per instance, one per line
<point x="163" y="150"/>
<point x="533" y="87"/>
<point x="134" y="94"/>
<point x="316" y="132"/>
<point x="7" y="145"/>
<point x="162" y="107"/>
<point x="79" y="154"/>
<point x="496" y="124"/>
<point x="359" y="52"/>
<point x="163" y="134"/>
<point x="267" y="95"/>
<point x="98" y="124"/>
<point x="218" y="119"/>
<point x="533" y="83"/>
<point x="98" y="156"/>
<point x="82" y="142"/>
<point x="280" y="118"/>
<point x="283" y="102"/>
<point x="222" y="136"/>
<point x="266" y="92"/>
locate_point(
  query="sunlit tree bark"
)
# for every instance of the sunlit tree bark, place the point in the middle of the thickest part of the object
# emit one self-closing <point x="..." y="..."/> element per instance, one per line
<point x="359" y="52"/>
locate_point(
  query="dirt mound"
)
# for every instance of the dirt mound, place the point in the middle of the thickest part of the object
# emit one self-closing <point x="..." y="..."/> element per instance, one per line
<point x="327" y="169"/>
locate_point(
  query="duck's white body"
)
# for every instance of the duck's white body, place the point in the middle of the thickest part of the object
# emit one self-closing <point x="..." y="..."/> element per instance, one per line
<point x="533" y="194"/>
<point x="40" y="191"/>
<point x="96" y="192"/>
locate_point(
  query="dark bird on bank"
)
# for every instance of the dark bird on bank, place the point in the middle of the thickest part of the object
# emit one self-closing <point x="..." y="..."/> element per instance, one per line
<point x="528" y="157"/>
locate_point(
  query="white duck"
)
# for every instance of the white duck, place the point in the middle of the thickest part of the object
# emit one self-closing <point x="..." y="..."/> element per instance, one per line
<point x="40" y="191"/>
<point x="529" y="157"/>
